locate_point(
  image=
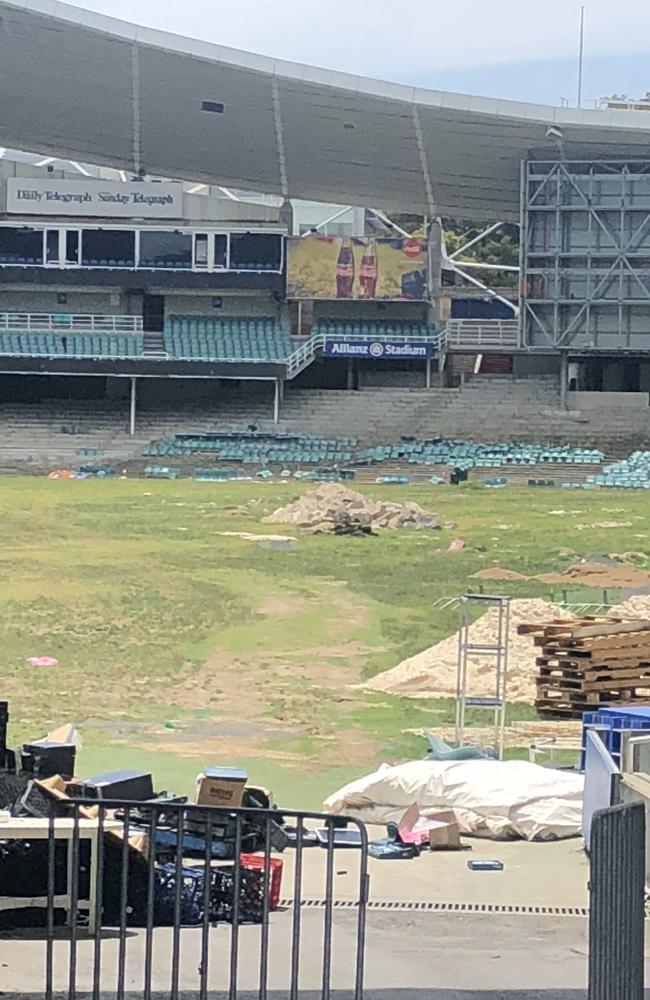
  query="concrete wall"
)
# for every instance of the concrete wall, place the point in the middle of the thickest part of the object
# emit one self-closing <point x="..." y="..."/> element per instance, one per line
<point x="44" y="300"/>
<point x="232" y="305"/>
<point x="368" y="312"/>
<point x="526" y="364"/>
<point x="601" y="401"/>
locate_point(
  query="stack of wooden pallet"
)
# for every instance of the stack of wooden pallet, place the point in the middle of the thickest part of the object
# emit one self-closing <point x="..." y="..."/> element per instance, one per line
<point x="587" y="663"/>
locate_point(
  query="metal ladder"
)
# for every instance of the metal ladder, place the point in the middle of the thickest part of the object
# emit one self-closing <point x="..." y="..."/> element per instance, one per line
<point x="499" y="650"/>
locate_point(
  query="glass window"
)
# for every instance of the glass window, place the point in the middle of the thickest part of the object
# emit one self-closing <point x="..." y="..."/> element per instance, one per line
<point x="201" y="250"/>
<point x="165" y="250"/>
<point x="51" y="246"/>
<point x="72" y="246"/>
<point x="21" y="245"/>
<point x="107" y="248"/>
<point x="221" y="250"/>
<point x="255" y="251"/>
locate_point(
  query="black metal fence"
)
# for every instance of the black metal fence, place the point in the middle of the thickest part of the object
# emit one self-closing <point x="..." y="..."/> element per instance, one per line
<point x="617" y="903"/>
<point x="150" y="900"/>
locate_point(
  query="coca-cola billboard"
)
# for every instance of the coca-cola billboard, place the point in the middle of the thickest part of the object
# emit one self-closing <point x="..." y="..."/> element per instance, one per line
<point x="327" y="267"/>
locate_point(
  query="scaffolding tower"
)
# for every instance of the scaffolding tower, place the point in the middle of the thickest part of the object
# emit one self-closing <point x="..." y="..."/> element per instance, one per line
<point x="495" y="703"/>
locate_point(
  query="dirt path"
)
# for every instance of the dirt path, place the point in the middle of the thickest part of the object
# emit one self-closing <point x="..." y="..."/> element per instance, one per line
<point x="282" y="694"/>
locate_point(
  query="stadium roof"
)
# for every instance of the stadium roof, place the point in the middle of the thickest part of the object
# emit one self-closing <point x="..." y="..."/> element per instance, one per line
<point x="88" y="87"/>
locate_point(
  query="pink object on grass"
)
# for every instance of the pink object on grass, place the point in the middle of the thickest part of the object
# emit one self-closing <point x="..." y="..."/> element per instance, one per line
<point x="42" y="661"/>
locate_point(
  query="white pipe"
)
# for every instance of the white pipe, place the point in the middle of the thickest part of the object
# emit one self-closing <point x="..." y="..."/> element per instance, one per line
<point x="479" y="266"/>
<point x="490" y="291"/>
<point x="276" y="402"/>
<point x="132" y="408"/>
<point x="477" y="239"/>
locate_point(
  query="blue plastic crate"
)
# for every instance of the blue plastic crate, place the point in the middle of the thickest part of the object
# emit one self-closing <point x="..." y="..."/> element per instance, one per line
<point x="611" y="722"/>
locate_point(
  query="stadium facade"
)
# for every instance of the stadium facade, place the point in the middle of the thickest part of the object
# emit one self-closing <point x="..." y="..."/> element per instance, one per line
<point x="115" y="279"/>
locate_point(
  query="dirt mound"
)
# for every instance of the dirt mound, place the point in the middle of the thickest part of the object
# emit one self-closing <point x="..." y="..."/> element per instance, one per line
<point x="599" y="575"/>
<point x="497" y="573"/>
<point x="333" y="505"/>
<point x="432" y="673"/>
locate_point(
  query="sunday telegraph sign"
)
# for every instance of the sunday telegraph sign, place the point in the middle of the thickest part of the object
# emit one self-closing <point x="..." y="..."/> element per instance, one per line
<point x="107" y="199"/>
<point x="377" y="349"/>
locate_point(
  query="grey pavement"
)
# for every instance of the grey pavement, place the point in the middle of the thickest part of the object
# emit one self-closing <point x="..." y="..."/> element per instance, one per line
<point x="409" y="956"/>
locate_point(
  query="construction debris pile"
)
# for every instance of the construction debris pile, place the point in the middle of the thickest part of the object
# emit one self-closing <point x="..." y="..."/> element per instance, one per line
<point x="335" y="509"/>
<point x="433" y="673"/>
<point x="589" y="663"/>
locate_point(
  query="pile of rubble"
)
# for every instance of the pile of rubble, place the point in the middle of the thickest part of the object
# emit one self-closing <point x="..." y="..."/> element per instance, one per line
<point x="339" y="510"/>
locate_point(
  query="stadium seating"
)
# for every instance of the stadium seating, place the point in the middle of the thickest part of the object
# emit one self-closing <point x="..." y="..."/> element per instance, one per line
<point x="257" y="448"/>
<point x="633" y="473"/>
<point x="377" y="328"/>
<point x="233" y="338"/>
<point x="78" y="345"/>
<point x="467" y="455"/>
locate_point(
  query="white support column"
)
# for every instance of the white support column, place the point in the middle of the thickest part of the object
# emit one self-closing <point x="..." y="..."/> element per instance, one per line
<point x="428" y="383"/>
<point x="300" y="317"/>
<point x="132" y="407"/>
<point x="276" y="402"/>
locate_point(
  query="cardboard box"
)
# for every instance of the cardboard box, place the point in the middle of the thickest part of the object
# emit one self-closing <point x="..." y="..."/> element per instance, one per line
<point x="444" y="832"/>
<point x="221" y="786"/>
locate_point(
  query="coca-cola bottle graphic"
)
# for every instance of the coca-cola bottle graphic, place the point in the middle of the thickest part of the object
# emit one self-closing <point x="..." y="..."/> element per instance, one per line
<point x="369" y="271"/>
<point x="345" y="271"/>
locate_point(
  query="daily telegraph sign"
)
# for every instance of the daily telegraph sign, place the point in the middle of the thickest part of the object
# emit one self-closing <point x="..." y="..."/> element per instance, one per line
<point x="388" y="350"/>
<point x="107" y="199"/>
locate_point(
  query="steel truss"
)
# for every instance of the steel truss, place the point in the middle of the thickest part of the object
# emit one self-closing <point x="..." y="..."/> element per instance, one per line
<point x="586" y="255"/>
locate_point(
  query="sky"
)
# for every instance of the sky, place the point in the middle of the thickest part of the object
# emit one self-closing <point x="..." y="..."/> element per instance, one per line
<point x="505" y="48"/>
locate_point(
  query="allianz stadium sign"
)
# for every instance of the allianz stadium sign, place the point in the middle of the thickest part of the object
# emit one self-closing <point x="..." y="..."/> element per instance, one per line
<point x="106" y="199"/>
<point x="384" y="350"/>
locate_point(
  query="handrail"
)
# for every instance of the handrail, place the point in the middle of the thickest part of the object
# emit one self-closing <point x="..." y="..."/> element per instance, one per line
<point x="482" y="333"/>
<point x="305" y="353"/>
<point x="69" y="323"/>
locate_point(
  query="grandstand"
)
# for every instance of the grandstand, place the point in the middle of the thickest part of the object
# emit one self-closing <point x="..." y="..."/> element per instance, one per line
<point x="136" y="309"/>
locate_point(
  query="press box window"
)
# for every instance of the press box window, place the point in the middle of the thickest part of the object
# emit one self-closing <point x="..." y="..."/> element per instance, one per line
<point x="255" y="251"/>
<point x="108" y="248"/>
<point x="52" y="246"/>
<point x="201" y="251"/>
<point x="21" y="246"/>
<point x="72" y="244"/>
<point x="166" y="250"/>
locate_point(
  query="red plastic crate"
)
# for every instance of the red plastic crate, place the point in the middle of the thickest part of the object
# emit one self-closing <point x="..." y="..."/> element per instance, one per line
<point x="256" y="863"/>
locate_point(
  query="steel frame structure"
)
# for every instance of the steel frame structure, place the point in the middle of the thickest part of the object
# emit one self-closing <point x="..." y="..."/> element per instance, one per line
<point x="585" y="255"/>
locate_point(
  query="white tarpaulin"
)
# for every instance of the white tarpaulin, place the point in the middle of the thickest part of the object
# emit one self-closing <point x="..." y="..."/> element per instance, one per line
<point x="491" y="798"/>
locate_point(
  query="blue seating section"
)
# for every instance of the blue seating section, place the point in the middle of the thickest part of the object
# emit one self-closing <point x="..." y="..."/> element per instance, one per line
<point x="77" y="345"/>
<point x="467" y="455"/>
<point x="227" y="338"/>
<point x="378" y="328"/>
<point x="257" y="448"/>
<point x="633" y="473"/>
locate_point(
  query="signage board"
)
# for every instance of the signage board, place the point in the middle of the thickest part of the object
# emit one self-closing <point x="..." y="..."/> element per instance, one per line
<point x="90" y="197"/>
<point x="327" y="267"/>
<point x="379" y="350"/>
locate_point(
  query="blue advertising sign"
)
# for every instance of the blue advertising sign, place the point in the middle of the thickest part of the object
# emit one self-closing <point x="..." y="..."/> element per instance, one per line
<point x="384" y="350"/>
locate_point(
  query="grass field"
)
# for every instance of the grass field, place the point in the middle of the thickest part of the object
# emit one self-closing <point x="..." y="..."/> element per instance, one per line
<point x="180" y="646"/>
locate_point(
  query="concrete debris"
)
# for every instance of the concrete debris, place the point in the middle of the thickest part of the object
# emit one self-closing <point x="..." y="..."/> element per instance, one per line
<point x="457" y="545"/>
<point x="336" y="509"/>
<point x="432" y="673"/>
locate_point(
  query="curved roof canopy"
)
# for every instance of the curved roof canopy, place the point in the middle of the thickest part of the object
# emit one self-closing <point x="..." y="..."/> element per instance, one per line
<point x="88" y="87"/>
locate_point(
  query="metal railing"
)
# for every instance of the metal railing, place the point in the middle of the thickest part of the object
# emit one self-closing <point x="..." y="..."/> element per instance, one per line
<point x="303" y="356"/>
<point x="482" y="333"/>
<point x="616" y="911"/>
<point x="69" y="323"/>
<point x="153" y="895"/>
